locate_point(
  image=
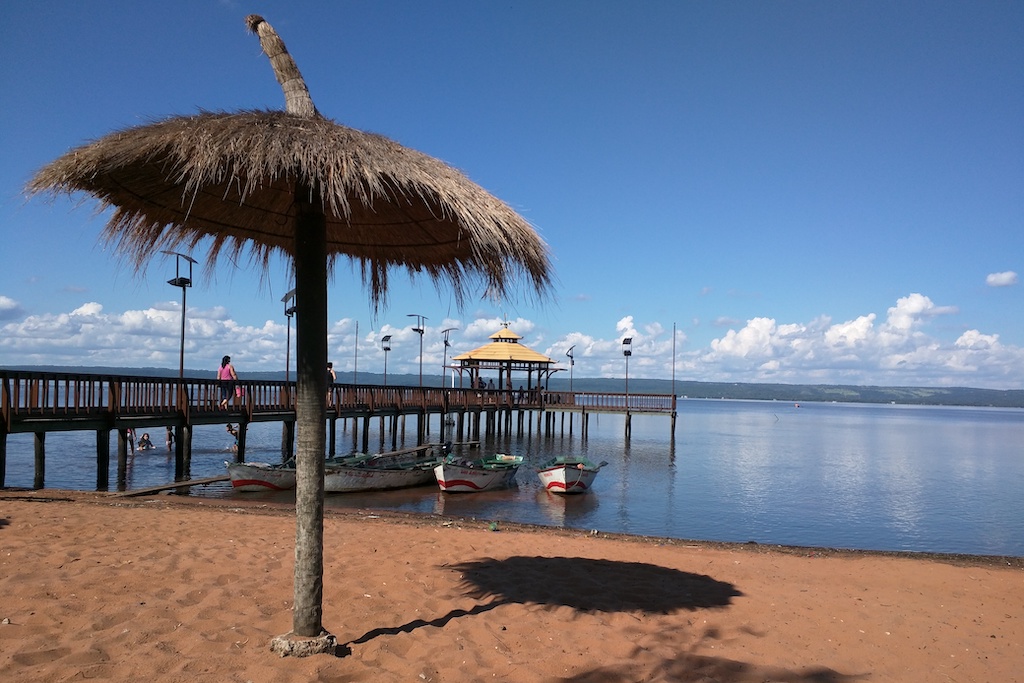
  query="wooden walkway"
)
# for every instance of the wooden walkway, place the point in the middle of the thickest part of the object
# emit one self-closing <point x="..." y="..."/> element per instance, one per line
<point x="43" y="402"/>
<point x="150" y="490"/>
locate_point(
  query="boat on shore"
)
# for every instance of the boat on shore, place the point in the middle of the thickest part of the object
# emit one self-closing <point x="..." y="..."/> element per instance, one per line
<point x="401" y="469"/>
<point x="249" y="477"/>
<point x="565" y="474"/>
<point x="460" y="475"/>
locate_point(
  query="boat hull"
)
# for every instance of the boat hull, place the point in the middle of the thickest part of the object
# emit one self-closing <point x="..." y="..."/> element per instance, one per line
<point x="350" y="479"/>
<point x="260" y="476"/>
<point x="568" y="476"/>
<point x="453" y="478"/>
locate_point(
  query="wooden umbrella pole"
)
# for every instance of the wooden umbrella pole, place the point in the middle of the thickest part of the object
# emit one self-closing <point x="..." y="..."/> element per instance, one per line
<point x="310" y="253"/>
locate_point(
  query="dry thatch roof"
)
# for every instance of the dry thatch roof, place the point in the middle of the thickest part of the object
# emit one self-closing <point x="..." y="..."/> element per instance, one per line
<point x="231" y="178"/>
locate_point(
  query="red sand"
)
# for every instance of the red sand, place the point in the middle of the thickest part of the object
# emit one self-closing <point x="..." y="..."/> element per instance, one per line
<point x="175" y="589"/>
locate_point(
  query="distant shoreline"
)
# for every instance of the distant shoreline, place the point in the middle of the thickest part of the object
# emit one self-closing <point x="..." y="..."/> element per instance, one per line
<point x="825" y="393"/>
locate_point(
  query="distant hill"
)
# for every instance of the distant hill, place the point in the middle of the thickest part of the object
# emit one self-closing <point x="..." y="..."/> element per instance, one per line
<point x="959" y="396"/>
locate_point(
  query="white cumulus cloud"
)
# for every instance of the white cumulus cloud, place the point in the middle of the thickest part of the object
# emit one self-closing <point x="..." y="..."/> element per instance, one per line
<point x="9" y="308"/>
<point x="899" y="349"/>
<point x="1004" y="279"/>
<point x="859" y="351"/>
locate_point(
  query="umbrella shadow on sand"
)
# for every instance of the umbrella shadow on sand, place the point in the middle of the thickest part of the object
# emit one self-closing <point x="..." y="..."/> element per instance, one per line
<point x="580" y="583"/>
<point x="595" y="585"/>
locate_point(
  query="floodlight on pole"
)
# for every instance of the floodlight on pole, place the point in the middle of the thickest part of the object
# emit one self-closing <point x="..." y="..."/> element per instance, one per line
<point x="627" y="351"/>
<point x="184" y="282"/>
<point x="673" y="361"/>
<point x="385" y="344"/>
<point x="355" y="359"/>
<point x="419" y="329"/>
<point x="289" y="310"/>
<point x="572" y="362"/>
<point x="444" y="360"/>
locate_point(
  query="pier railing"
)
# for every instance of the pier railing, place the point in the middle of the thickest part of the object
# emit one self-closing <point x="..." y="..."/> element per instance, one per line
<point x="42" y="402"/>
<point x="29" y="397"/>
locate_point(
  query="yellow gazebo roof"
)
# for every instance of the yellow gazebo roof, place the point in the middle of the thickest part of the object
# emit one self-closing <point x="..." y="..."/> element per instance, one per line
<point x="503" y="350"/>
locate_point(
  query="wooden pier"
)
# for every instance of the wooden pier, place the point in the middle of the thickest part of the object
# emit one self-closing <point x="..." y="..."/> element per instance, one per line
<point x="43" y="402"/>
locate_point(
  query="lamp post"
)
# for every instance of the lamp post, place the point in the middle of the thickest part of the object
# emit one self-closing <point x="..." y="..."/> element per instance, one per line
<point x="288" y="427"/>
<point x="673" y="361"/>
<point x="182" y="453"/>
<point x="444" y="360"/>
<point x="289" y="310"/>
<point x="355" y="358"/>
<point x="385" y="344"/>
<point x="183" y="282"/>
<point x="627" y="351"/>
<point x="572" y="362"/>
<point x="419" y="330"/>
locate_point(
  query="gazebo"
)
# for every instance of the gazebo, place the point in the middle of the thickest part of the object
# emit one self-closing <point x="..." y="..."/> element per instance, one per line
<point x="504" y="355"/>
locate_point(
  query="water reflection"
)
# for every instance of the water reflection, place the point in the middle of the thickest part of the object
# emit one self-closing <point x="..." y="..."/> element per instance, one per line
<point x="882" y="477"/>
<point x="570" y="511"/>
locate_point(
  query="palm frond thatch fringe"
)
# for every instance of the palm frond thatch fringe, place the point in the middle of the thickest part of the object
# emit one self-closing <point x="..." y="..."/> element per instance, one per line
<point x="231" y="177"/>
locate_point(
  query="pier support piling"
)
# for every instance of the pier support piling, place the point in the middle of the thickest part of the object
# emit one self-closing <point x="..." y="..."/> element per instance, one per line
<point x="3" y="455"/>
<point x="102" y="460"/>
<point x="39" y="481"/>
<point x="240" y="451"/>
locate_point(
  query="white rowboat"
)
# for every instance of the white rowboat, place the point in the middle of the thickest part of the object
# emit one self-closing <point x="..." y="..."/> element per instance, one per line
<point x="458" y="475"/>
<point x="261" y="476"/>
<point x="378" y="473"/>
<point x="565" y="474"/>
<point x="249" y="477"/>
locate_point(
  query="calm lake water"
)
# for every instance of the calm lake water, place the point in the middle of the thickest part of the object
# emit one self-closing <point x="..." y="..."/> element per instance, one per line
<point x="881" y="477"/>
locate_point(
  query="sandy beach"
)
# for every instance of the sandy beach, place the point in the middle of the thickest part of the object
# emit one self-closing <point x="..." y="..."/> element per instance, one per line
<point x="170" y="588"/>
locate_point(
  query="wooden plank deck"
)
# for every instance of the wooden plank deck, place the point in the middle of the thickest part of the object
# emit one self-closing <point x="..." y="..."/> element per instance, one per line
<point x="166" y="487"/>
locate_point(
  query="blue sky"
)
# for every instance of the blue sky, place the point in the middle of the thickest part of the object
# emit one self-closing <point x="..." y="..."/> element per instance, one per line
<point x="809" y="192"/>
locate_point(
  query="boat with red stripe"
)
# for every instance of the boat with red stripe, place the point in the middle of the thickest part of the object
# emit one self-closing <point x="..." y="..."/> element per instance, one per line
<point x="568" y="474"/>
<point x="460" y="475"/>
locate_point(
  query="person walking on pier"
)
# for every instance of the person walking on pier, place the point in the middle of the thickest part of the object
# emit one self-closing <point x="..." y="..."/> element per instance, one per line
<point x="332" y="377"/>
<point x="226" y="375"/>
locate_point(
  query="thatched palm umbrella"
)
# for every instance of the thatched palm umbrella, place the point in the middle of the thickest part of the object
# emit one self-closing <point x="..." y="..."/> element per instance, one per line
<point x="298" y="184"/>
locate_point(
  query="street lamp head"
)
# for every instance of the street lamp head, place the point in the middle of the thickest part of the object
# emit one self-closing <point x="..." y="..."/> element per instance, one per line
<point x="385" y="342"/>
<point x="627" y="346"/>
<point x="179" y="279"/>
<point x="289" y="298"/>
<point x="419" y="329"/>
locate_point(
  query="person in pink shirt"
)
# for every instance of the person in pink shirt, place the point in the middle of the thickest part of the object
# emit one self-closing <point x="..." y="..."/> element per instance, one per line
<point x="226" y="375"/>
